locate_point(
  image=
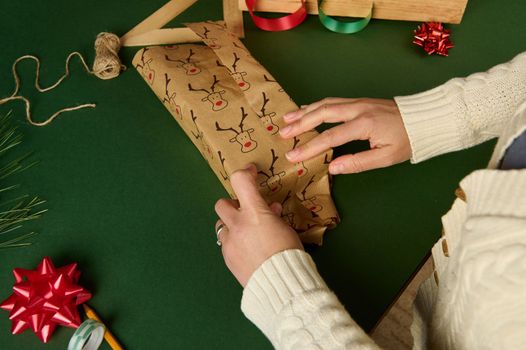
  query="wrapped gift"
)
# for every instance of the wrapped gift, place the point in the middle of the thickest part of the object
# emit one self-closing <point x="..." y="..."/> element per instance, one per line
<point x="231" y="108"/>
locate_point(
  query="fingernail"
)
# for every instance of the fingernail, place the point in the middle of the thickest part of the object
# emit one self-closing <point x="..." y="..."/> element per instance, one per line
<point x="336" y="168"/>
<point x="292" y="154"/>
<point x="304" y="106"/>
<point x="285" y="131"/>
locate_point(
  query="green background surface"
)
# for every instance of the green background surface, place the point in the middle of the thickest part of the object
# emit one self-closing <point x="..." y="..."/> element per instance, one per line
<point x="131" y="200"/>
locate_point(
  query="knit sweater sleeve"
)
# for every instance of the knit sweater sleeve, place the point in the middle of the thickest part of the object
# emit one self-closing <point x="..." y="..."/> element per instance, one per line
<point x="463" y="112"/>
<point x="290" y="303"/>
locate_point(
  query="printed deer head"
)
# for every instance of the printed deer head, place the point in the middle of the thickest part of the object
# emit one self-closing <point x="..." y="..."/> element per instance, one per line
<point x="287" y="216"/>
<point x="273" y="180"/>
<point x="223" y="172"/>
<point x="199" y="135"/>
<point x="170" y="99"/>
<point x="302" y="169"/>
<point x="187" y="64"/>
<point x="237" y="75"/>
<point x="243" y="137"/>
<point x="310" y="203"/>
<point x="210" y="42"/>
<point x="266" y="118"/>
<point x="171" y="47"/>
<point x="147" y="72"/>
<point x="214" y="97"/>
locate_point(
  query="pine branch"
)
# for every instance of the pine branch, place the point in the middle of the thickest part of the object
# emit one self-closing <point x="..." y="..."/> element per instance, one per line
<point x="12" y="216"/>
<point x="14" y="243"/>
<point x="21" y="212"/>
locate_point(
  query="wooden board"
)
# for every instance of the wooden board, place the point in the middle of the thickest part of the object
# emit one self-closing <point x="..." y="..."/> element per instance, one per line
<point x="159" y="18"/>
<point x="233" y="17"/>
<point x="447" y="11"/>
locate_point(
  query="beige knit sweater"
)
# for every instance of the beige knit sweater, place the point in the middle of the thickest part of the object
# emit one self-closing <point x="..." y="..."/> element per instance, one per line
<point x="480" y="299"/>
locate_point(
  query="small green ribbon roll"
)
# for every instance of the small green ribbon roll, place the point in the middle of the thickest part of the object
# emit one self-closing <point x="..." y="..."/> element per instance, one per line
<point x="88" y="336"/>
<point x="343" y="26"/>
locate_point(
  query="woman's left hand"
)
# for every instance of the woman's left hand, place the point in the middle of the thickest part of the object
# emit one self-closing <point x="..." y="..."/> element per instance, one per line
<point x="254" y="231"/>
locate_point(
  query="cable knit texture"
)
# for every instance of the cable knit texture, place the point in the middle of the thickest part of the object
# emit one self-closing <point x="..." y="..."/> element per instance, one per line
<point x="291" y="304"/>
<point x="480" y="302"/>
<point x="477" y="298"/>
<point x="463" y="112"/>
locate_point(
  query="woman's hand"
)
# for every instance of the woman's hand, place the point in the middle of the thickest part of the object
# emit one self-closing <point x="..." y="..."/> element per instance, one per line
<point x="254" y="230"/>
<point x="376" y="120"/>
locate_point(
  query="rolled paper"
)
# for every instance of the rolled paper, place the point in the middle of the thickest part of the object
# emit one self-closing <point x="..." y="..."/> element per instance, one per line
<point x="44" y="298"/>
<point x="88" y="336"/>
<point x="277" y="24"/>
<point x="344" y="27"/>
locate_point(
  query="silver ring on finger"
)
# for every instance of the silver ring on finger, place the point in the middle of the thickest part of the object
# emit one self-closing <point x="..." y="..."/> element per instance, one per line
<point x="219" y="229"/>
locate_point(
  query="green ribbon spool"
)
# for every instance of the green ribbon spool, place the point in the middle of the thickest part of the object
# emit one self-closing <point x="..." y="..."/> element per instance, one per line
<point x="88" y="336"/>
<point x="343" y="27"/>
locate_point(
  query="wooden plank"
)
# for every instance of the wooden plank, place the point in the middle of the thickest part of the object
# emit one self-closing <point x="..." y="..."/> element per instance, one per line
<point x="447" y="11"/>
<point x="162" y="37"/>
<point x="233" y="17"/>
<point x="159" y="18"/>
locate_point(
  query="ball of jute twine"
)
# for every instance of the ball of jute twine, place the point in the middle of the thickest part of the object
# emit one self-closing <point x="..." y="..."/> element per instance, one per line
<point x="106" y="65"/>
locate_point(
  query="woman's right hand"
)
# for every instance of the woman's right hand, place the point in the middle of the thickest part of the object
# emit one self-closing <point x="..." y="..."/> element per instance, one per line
<point x="376" y="120"/>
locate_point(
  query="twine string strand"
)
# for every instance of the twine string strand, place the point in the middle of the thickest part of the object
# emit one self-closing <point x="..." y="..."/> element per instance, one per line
<point x="106" y="65"/>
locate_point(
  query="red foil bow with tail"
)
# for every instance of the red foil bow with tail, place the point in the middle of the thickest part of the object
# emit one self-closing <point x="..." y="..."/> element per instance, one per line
<point x="44" y="298"/>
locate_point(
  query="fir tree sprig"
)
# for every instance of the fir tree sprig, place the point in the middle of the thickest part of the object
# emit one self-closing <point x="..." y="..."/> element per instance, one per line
<point x="12" y="216"/>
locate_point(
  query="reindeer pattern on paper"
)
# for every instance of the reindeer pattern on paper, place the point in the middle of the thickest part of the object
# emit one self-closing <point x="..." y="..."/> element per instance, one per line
<point x="243" y="136"/>
<point x="310" y="202"/>
<point x="187" y="64"/>
<point x="237" y="75"/>
<point x="211" y="42"/>
<point x="302" y="169"/>
<point x="169" y="98"/>
<point x="266" y="117"/>
<point x="273" y="178"/>
<point x="287" y="215"/>
<point x="146" y="71"/>
<point x="200" y="137"/>
<point x="213" y="96"/>
<point x="223" y="171"/>
<point x="231" y="109"/>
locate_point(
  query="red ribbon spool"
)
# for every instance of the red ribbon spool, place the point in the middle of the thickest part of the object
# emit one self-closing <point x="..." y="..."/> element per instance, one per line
<point x="277" y="24"/>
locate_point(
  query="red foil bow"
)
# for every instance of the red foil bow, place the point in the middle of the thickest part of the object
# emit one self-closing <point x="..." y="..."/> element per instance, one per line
<point x="44" y="298"/>
<point x="433" y="38"/>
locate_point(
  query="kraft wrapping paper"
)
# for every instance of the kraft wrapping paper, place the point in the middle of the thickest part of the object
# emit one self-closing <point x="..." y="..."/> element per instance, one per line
<point x="231" y="108"/>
